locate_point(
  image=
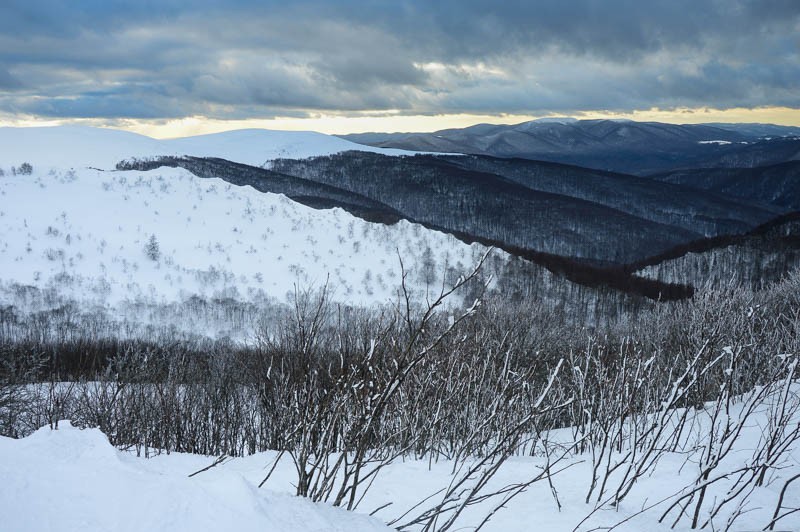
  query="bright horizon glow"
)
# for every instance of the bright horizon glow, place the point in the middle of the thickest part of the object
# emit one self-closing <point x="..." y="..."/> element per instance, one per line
<point x="393" y="122"/>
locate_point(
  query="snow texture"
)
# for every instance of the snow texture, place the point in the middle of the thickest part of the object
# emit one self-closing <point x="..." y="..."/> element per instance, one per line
<point x="70" y="479"/>
<point x="73" y="480"/>
<point x="85" y="231"/>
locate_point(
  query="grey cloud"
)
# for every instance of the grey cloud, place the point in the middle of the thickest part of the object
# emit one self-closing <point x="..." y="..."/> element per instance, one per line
<point x="8" y="82"/>
<point x="152" y="59"/>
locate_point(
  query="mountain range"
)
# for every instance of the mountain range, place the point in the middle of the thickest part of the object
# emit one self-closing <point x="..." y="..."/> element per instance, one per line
<point x="616" y="145"/>
<point x="250" y="214"/>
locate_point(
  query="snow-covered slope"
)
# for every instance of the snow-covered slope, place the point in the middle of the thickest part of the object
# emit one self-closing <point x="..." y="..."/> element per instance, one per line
<point x="73" y="480"/>
<point x="81" y="147"/>
<point x="84" y="234"/>
<point x="77" y="229"/>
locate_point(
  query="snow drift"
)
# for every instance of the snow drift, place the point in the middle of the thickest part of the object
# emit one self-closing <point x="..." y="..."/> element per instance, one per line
<point x="74" y="480"/>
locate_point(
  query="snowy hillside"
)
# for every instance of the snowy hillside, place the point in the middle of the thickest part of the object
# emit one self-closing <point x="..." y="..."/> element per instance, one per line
<point x="85" y="233"/>
<point x="153" y="307"/>
<point x="81" y="147"/>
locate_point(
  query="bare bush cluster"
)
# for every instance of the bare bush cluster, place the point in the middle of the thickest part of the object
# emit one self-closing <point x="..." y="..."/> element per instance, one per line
<point x="343" y="393"/>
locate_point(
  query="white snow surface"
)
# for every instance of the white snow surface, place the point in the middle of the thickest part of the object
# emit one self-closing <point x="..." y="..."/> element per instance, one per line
<point x="81" y="147"/>
<point x="76" y="229"/>
<point x="83" y="233"/>
<point x="73" y="480"/>
<point x="88" y="230"/>
<point x="70" y="479"/>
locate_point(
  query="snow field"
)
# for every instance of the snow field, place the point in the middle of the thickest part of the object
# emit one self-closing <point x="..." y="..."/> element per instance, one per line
<point x="84" y="234"/>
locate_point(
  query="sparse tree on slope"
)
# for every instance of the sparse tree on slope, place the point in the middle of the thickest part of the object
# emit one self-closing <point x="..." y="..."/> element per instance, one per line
<point x="152" y="249"/>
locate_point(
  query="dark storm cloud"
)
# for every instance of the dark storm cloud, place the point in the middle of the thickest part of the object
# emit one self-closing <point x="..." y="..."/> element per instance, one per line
<point x="161" y="59"/>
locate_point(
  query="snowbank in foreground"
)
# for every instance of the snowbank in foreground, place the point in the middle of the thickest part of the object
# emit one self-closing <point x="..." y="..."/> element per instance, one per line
<point x="73" y="479"/>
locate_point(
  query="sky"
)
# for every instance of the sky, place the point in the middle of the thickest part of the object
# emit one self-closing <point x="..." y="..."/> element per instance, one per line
<point x="171" y="68"/>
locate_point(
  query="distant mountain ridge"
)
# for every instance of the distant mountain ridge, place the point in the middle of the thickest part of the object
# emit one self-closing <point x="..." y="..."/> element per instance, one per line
<point x="597" y="217"/>
<point x="582" y="225"/>
<point x="778" y="184"/>
<point x="622" y="146"/>
<point x="767" y="253"/>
